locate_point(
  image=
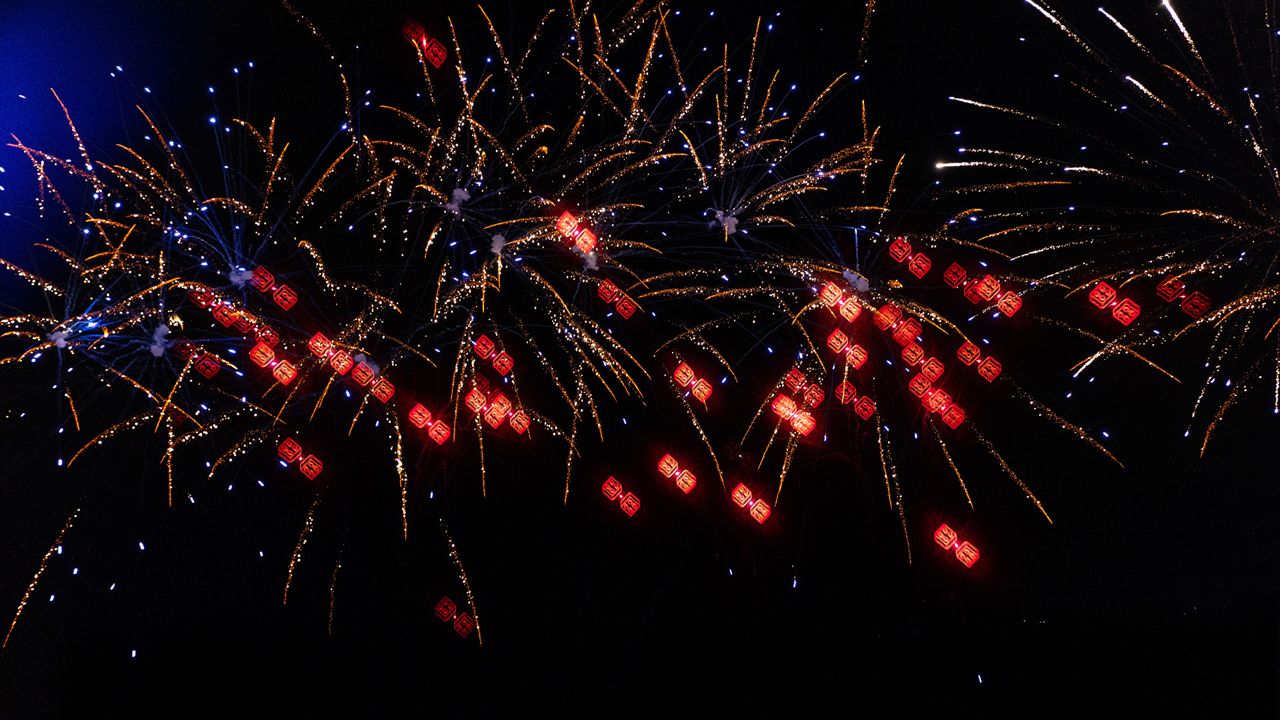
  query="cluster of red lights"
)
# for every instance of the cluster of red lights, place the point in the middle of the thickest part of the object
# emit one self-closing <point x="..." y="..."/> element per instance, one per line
<point x="832" y="297"/>
<point x="420" y="417"/>
<point x="612" y="294"/>
<point x="792" y="412"/>
<point x="447" y="611"/>
<point x="988" y="367"/>
<point x="947" y="539"/>
<point x="1104" y="297"/>
<point x="207" y="364"/>
<point x="976" y="289"/>
<point x="918" y="264"/>
<point x="906" y="332"/>
<point x="571" y="229"/>
<point x="495" y="407"/>
<point x="341" y="361"/>
<point x="686" y="378"/>
<point x="227" y="315"/>
<point x="612" y="489"/>
<point x="1173" y="288"/>
<point x="670" y="468"/>
<point x="264" y="282"/>
<point x="264" y="356"/>
<point x="758" y="508"/>
<point x="485" y="349"/>
<point x="983" y="289"/>
<point x="432" y="49"/>
<point x="308" y="465"/>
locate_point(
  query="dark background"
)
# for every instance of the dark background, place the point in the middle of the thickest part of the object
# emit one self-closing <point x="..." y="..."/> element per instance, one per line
<point x="1155" y="590"/>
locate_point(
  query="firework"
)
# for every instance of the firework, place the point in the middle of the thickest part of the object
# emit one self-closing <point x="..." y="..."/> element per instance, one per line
<point x="1156" y="195"/>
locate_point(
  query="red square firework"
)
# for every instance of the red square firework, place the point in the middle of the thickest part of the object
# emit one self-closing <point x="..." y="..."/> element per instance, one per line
<point x="686" y="481"/>
<point x="262" y="279"/>
<point x="208" y="366"/>
<point x="967" y="554"/>
<point x="944" y="536"/>
<point x="937" y="400"/>
<point x="419" y="416"/>
<point x="741" y="495"/>
<point x="1101" y="295"/>
<point x="784" y="407"/>
<point x="932" y="369"/>
<point x="985" y="289"/>
<point x="830" y="295"/>
<point x="1009" y="304"/>
<point x="626" y="307"/>
<point x="320" y="345"/>
<point x="341" y="362"/>
<point x="285" y="372"/>
<point x="500" y="405"/>
<point x="684" y="375"/>
<point x="918" y="385"/>
<point x="607" y="291"/>
<point x="865" y="407"/>
<point x="761" y="511"/>
<point x="850" y="310"/>
<point x="667" y="465"/>
<point x="262" y="355"/>
<point x="803" y="423"/>
<point x="919" y="265"/>
<point x="795" y="379"/>
<point x="436" y="55"/>
<point x="481" y="382"/>
<point x="846" y="393"/>
<point x="289" y="450"/>
<point x="611" y="488"/>
<point x="857" y="356"/>
<point x="989" y="369"/>
<point x="245" y="322"/>
<point x="1170" y="288"/>
<point x="286" y="297"/>
<point x="585" y="241"/>
<point x="912" y="354"/>
<point x="887" y="316"/>
<point x="566" y="224"/>
<point x="953" y="416"/>
<point x="1126" y="312"/>
<point x="475" y="400"/>
<point x="837" y="341"/>
<point x="907" y="331"/>
<point x="439" y="432"/>
<point x="1195" y="305"/>
<point x="310" y="466"/>
<point x="267" y="334"/>
<point x="899" y="249"/>
<point x="813" y="396"/>
<point x="955" y="275"/>
<point x="968" y="353"/>
<point x="519" y="421"/>
<point x="630" y="504"/>
<point x="483" y="347"/>
<point x="702" y="390"/>
<point x="383" y="390"/>
<point x="202" y="298"/>
<point x="464" y="624"/>
<point x="494" y="417"/>
<point x="503" y="363"/>
<point x="445" y="609"/>
<point x="362" y="374"/>
<point x="225" y="315"/>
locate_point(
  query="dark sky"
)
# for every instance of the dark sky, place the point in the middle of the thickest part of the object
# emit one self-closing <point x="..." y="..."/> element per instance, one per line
<point x="1155" y="589"/>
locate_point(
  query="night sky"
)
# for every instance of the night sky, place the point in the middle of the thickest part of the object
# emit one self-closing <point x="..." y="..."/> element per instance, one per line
<point x="1155" y="590"/>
